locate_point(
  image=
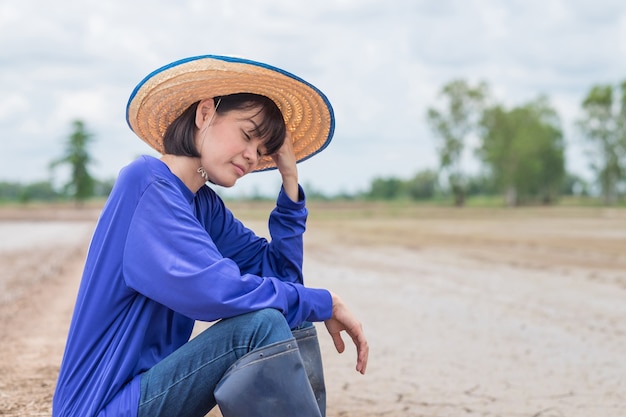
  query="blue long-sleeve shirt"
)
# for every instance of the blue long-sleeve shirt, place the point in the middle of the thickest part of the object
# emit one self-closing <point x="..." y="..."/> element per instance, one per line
<point x="162" y="257"/>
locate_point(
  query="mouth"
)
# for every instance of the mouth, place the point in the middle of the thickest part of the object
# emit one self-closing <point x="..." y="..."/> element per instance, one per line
<point x="240" y="170"/>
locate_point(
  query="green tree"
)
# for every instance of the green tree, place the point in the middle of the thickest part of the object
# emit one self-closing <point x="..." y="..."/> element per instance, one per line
<point x="386" y="189"/>
<point x="422" y="186"/>
<point x="81" y="183"/>
<point x="524" y="151"/>
<point x="453" y="124"/>
<point x="604" y="125"/>
<point x="10" y="191"/>
<point x="574" y="185"/>
<point x="481" y="184"/>
<point x="102" y="188"/>
<point x="38" y="191"/>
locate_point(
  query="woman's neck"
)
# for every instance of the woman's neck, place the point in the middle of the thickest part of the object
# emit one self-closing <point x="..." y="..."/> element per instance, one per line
<point x="186" y="169"/>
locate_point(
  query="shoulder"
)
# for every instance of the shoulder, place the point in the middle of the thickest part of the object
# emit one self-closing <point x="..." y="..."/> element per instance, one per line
<point x="140" y="168"/>
<point x="144" y="171"/>
<point x="138" y="176"/>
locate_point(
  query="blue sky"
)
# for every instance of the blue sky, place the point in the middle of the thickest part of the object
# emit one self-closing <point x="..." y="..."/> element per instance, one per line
<point x="381" y="64"/>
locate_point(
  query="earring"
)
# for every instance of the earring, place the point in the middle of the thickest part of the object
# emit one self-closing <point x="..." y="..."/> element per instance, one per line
<point x="203" y="173"/>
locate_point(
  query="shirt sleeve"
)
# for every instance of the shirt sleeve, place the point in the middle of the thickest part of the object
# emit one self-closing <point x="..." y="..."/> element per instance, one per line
<point x="281" y="257"/>
<point x="170" y="258"/>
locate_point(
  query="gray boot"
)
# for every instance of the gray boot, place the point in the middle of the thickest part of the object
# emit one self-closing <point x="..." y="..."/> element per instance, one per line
<point x="311" y="356"/>
<point x="267" y="382"/>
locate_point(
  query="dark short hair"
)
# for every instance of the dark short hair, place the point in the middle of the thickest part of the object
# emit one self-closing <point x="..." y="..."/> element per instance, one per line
<point x="179" y="136"/>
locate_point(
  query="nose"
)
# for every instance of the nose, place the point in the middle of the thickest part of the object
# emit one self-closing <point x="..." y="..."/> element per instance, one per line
<point x="250" y="154"/>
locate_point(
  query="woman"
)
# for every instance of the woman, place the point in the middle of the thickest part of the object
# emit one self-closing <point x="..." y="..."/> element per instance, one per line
<point x="167" y="252"/>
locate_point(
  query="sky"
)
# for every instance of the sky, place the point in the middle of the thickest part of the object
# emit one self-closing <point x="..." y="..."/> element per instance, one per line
<point x="381" y="63"/>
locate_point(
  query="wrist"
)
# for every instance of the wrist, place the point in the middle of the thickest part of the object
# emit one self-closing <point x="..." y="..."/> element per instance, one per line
<point x="336" y="301"/>
<point x="291" y="187"/>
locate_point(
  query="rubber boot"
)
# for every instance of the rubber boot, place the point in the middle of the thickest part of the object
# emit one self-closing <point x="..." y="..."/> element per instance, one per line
<point x="267" y="382"/>
<point x="311" y="356"/>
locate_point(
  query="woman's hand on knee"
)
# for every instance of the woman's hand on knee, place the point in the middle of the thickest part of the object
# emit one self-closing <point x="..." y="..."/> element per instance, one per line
<point x="343" y="320"/>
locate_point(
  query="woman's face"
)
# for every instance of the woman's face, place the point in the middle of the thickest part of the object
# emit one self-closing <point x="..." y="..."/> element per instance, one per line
<point x="227" y="146"/>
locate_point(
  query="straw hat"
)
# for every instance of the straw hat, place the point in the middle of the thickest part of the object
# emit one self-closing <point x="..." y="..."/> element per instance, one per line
<point x="165" y="93"/>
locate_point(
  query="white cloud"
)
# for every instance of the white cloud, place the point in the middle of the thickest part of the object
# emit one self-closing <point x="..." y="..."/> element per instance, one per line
<point x="12" y="105"/>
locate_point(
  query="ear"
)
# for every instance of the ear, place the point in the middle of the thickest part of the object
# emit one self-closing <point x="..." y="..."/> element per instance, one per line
<point x="204" y="112"/>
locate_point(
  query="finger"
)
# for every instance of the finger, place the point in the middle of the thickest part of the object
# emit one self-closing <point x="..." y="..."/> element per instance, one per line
<point x="362" y="357"/>
<point x="362" y="349"/>
<point x="338" y="341"/>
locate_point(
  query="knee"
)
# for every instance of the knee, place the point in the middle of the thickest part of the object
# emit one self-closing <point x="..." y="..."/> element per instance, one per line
<point x="270" y="319"/>
<point x="270" y="326"/>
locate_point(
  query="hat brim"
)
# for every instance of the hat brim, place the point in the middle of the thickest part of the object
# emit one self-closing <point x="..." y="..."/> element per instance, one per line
<point x="164" y="94"/>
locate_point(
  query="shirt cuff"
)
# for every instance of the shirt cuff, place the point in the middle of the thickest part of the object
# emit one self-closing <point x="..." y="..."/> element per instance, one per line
<point x="321" y="304"/>
<point x="284" y="201"/>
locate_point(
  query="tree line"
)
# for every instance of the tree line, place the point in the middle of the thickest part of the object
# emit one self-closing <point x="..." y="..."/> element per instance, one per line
<point x="520" y="151"/>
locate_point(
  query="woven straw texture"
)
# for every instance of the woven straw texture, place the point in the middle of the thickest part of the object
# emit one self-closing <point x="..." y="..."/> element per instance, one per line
<point x="166" y="93"/>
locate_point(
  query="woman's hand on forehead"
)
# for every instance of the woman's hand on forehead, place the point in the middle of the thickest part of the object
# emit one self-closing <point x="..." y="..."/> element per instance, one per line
<point x="285" y="160"/>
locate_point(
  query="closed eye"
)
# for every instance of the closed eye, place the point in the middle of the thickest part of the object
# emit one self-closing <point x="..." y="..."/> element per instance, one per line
<point x="261" y="152"/>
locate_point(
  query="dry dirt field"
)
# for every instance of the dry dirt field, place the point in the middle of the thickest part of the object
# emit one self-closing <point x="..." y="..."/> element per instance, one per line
<point x="471" y="312"/>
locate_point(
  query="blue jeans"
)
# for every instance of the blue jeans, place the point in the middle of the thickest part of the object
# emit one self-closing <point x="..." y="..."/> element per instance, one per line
<point x="182" y="384"/>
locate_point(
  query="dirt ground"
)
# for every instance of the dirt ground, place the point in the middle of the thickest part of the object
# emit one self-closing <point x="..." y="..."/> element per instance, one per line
<point x="473" y="312"/>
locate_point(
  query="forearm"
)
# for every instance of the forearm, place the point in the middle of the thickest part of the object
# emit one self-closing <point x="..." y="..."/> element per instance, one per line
<point x="287" y="224"/>
<point x="285" y="160"/>
<point x="290" y="185"/>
